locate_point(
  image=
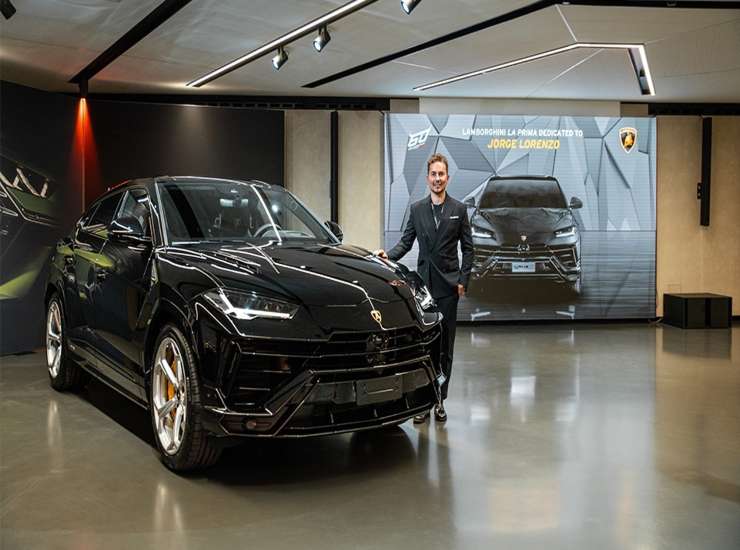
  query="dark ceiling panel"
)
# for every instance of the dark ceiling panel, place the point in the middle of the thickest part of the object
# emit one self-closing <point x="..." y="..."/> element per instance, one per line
<point x="159" y="15"/>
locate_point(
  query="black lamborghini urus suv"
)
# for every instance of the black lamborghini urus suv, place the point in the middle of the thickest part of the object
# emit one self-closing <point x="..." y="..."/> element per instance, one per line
<point x="523" y="228"/>
<point x="229" y="311"/>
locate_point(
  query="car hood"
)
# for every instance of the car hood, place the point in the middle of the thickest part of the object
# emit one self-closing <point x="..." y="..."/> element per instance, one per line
<point x="537" y="224"/>
<point x="314" y="275"/>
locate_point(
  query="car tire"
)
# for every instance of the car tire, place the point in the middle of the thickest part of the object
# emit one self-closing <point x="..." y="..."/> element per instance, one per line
<point x="183" y="442"/>
<point x="64" y="374"/>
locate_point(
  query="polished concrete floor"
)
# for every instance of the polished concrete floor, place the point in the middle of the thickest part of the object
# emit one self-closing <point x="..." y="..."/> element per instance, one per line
<point x="585" y="436"/>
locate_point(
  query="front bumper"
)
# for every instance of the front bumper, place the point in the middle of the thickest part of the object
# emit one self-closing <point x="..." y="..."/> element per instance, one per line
<point x="297" y="388"/>
<point x="559" y="262"/>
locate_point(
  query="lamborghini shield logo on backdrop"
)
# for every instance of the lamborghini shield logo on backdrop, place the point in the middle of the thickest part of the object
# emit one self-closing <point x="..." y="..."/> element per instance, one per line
<point x="377" y="317"/>
<point x="418" y="139"/>
<point x="628" y="138"/>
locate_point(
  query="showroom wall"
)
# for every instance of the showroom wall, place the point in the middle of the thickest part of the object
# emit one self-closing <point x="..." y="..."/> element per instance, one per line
<point x="692" y="258"/>
<point x="308" y="158"/>
<point x="135" y="140"/>
<point x="361" y="176"/>
<point x="307" y="165"/>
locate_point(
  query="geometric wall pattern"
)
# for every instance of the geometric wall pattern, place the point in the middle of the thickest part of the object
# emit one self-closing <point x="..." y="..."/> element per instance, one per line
<point x="615" y="183"/>
<point x="617" y="188"/>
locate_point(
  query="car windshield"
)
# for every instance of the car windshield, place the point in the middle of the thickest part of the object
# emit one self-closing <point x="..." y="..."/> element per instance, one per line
<point x="229" y="211"/>
<point x="523" y="193"/>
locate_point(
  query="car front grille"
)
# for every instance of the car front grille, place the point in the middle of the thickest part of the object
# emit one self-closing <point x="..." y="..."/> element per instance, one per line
<point x="261" y="369"/>
<point x="564" y="254"/>
<point x="323" y="418"/>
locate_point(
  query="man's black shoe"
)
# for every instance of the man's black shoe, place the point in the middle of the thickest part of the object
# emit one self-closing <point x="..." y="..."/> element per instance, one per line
<point x="440" y="414"/>
<point x="420" y="418"/>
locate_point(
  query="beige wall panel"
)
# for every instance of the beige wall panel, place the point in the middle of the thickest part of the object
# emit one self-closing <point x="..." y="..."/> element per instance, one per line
<point x="361" y="177"/>
<point x="692" y="258"/>
<point x="722" y="238"/>
<point x="678" y="236"/>
<point x="308" y="158"/>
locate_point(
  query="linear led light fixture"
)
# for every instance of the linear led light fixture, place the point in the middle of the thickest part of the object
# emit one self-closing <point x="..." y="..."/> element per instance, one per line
<point x="308" y="28"/>
<point x="636" y="53"/>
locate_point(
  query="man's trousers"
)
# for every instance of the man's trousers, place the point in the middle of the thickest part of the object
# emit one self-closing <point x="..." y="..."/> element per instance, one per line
<point x="447" y="305"/>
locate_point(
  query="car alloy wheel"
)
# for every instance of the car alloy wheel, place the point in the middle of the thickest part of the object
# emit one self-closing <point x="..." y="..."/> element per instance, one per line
<point x="54" y="339"/>
<point x="169" y="395"/>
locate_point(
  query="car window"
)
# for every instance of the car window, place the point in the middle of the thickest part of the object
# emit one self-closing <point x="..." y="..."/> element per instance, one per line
<point x="231" y="211"/>
<point x="135" y="204"/>
<point x="100" y="220"/>
<point x="522" y="193"/>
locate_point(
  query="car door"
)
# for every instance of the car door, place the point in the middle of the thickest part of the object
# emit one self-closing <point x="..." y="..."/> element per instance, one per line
<point x="87" y="263"/>
<point x="122" y="290"/>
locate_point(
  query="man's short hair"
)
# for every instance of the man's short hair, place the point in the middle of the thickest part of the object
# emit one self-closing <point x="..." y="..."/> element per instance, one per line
<point x="437" y="157"/>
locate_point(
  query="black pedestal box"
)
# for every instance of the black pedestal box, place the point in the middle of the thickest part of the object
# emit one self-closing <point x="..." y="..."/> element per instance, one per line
<point x="697" y="310"/>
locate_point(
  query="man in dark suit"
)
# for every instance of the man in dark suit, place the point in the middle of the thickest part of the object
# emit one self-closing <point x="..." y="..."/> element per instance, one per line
<point x="438" y="222"/>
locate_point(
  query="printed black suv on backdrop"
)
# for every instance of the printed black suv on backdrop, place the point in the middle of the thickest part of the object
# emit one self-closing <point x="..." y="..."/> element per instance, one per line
<point x="524" y="228"/>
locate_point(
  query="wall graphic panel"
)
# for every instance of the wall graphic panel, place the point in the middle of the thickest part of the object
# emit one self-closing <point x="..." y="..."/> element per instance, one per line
<point x="562" y="208"/>
<point x="38" y="185"/>
<point x="59" y="153"/>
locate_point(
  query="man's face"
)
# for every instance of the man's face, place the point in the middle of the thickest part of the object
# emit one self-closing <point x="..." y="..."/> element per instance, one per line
<point x="437" y="177"/>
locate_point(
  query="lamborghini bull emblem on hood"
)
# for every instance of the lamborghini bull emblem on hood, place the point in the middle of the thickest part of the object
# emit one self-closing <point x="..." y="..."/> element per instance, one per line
<point x="628" y="138"/>
<point x="377" y="317"/>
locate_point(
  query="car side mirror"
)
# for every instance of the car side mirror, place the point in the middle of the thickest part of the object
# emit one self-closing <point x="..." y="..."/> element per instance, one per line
<point x="336" y="229"/>
<point x="469" y="202"/>
<point x="575" y="203"/>
<point x="128" y="229"/>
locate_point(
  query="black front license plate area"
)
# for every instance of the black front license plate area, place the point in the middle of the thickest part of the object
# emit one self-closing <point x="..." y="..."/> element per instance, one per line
<point x="388" y="388"/>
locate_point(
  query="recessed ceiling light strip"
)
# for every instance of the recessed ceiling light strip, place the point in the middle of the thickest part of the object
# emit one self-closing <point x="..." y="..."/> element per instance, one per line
<point x="342" y="11"/>
<point x="636" y="51"/>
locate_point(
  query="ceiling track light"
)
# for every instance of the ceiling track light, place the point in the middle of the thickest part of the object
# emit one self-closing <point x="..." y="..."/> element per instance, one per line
<point x="409" y="5"/>
<point x="280" y="58"/>
<point x="637" y="55"/>
<point x="322" y="39"/>
<point x="295" y="34"/>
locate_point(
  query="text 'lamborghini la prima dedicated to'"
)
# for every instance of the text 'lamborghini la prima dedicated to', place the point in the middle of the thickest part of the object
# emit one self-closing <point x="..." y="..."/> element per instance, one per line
<point x="228" y="310"/>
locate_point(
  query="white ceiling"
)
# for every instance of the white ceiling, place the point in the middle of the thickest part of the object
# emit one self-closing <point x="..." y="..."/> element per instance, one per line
<point x="694" y="54"/>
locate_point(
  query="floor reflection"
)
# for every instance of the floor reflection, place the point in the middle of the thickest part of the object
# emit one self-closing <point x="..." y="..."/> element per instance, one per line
<point x="698" y="409"/>
<point x="583" y="436"/>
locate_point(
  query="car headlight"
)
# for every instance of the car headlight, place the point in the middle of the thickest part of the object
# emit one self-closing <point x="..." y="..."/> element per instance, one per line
<point x="566" y="231"/>
<point x="242" y="305"/>
<point x="423" y="297"/>
<point x="482" y="233"/>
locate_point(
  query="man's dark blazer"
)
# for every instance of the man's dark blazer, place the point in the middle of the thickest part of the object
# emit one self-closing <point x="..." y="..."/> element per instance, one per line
<point x="438" y="245"/>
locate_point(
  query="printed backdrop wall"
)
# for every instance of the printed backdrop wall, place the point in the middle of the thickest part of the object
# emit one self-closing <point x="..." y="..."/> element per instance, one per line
<point x="563" y="209"/>
<point x="58" y="154"/>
